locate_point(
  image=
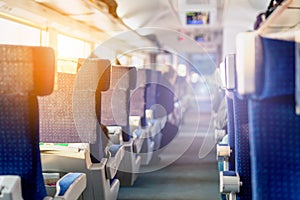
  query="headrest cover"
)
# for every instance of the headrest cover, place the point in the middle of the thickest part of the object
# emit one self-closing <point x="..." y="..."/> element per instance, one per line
<point x="123" y="77"/>
<point x="276" y="77"/>
<point x="26" y="69"/>
<point x="245" y="62"/>
<point x="222" y="75"/>
<point x="230" y="71"/>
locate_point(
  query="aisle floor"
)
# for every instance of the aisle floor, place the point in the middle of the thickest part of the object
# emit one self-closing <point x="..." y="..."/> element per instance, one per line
<point x="188" y="178"/>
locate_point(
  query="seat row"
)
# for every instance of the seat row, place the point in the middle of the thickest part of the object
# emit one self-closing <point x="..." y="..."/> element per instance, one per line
<point x="260" y="157"/>
<point x="101" y="123"/>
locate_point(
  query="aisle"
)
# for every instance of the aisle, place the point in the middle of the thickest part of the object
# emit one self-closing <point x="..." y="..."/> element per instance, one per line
<point x="188" y="178"/>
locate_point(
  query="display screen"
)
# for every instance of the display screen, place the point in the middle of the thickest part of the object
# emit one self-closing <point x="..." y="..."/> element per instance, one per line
<point x="197" y="18"/>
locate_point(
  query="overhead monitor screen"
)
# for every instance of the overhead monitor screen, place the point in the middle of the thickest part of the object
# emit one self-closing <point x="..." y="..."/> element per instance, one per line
<point x="197" y="18"/>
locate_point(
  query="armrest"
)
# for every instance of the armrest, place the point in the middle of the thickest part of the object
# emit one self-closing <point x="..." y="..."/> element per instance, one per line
<point x="230" y="182"/>
<point x="223" y="151"/>
<point x="70" y="186"/>
<point x="140" y="134"/>
<point x="10" y="187"/>
<point x="134" y="123"/>
<point x="115" y="134"/>
<point x="116" y="154"/>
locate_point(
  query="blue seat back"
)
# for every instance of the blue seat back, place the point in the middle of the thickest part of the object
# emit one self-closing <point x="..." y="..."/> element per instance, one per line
<point x="151" y="88"/>
<point x="242" y="146"/>
<point x="138" y="95"/>
<point x="25" y="72"/>
<point x="274" y="126"/>
<point x="231" y="132"/>
<point x="165" y="96"/>
<point x="238" y="125"/>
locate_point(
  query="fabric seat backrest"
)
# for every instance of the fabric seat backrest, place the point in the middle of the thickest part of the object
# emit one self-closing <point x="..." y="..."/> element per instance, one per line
<point x="165" y="97"/>
<point x="274" y="126"/>
<point x="25" y="73"/>
<point x="151" y="88"/>
<point x="138" y="95"/>
<point x="69" y="114"/>
<point x="115" y="104"/>
<point x="242" y="146"/>
<point x="230" y="131"/>
<point x="238" y="112"/>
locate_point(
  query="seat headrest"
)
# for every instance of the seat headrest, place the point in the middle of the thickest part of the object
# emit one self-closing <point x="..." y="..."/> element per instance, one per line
<point x="276" y="76"/>
<point x="143" y="77"/>
<point x="91" y="67"/>
<point x="230" y="71"/>
<point x="26" y="69"/>
<point x="155" y="76"/>
<point x="123" y="77"/>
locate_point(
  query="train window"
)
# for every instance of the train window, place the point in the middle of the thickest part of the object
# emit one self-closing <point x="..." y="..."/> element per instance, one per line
<point x="137" y="61"/>
<point x="68" y="51"/>
<point x="123" y="60"/>
<point x="19" y="34"/>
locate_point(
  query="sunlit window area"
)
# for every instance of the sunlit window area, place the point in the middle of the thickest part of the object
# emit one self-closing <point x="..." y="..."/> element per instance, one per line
<point x="68" y="51"/>
<point x="19" y="34"/>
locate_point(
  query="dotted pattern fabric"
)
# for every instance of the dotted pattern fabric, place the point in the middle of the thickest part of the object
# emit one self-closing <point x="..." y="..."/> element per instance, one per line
<point x="138" y="96"/>
<point x="91" y="73"/>
<point x="242" y="147"/>
<point x="230" y="132"/>
<point x="19" y="148"/>
<point x="275" y="149"/>
<point x="297" y="57"/>
<point x="123" y="77"/>
<point x="56" y="113"/>
<point x="16" y="69"/>
<point x="137" y="102"/>
<point x="92" y="78"/>
<point x="19" y="134"/>
<point x="274" y="126"/>
<point x="165" y="98"/>
<point x="115" y="107"/>
<point x="276" y="76"/>
<point x="151" y="89"/>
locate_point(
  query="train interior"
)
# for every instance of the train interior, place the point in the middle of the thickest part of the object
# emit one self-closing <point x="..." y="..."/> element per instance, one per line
<point x="149" y="100"/>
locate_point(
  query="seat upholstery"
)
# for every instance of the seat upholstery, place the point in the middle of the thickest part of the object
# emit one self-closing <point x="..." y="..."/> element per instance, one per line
<point x="151" y="95"/>
<point x="238" y="131"/>
<point x="115" y="102"/>
<point x="25" y="72"/>
<point x="242" y="147"/>
<point x="115" y="107"/>
<point x="70" y="115"/>
<point x="56" y="112"/>
<point x="274" y="126"/>
<point x="138" y="95"/>
<point x="230" y="132"/>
